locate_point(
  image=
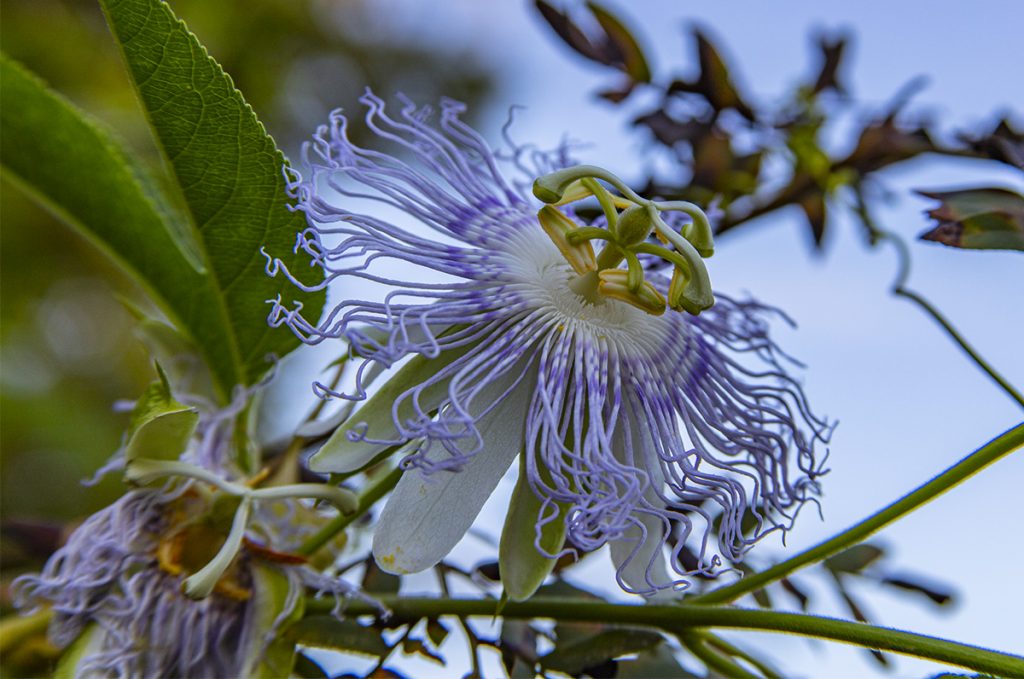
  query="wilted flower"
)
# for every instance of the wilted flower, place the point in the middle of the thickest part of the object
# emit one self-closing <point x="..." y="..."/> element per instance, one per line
<point x="108" y="575"/>
<point x="192" y="579"/>
<point x="639" y="426"/>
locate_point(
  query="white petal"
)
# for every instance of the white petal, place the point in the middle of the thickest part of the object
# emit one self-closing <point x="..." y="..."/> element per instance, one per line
<point x="425" y="517"/>
<point x="634" y="572"/>
<point x="639" y="572"/>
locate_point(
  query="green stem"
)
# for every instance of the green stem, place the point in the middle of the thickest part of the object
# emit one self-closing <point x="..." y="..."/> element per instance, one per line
<point x="673" y="617"/>
<point x="724" y="665"/>
<point x="367" y="499"/>
<point x="959" y="339"/>
<point x="899" y="288"/>
<point x="736" y="652"/>
<point x="967" y="467"/>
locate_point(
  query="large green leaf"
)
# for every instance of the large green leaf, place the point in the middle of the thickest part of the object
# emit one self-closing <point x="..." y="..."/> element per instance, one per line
<point x="227" y="167"/>
<point x="79" y="172"/>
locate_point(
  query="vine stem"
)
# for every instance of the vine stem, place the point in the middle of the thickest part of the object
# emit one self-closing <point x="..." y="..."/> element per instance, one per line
<point x="673" y="618"/>
<point x="900" y="289"/>
<point x="367" y="499"/>
<point x="927" y="307"/>
<point x="998" y="447"/>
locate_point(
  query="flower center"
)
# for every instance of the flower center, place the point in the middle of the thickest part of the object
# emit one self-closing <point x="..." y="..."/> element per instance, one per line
<point x="626" y="237"/>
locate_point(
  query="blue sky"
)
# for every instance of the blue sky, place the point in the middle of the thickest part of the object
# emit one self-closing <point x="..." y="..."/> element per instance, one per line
<point x="908" y="403"/>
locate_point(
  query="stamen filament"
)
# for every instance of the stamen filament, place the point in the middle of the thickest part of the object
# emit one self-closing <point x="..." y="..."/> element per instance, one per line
<point x="604" y="198"/>
<point x="201" y="584"/>
<point x="344" y="500"/>
<point x="143" y="470"/>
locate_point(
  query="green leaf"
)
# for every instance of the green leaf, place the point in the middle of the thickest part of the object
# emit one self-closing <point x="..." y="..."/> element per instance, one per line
<point x="523" y="568"/>
<point x="977" y="219"/>
<point x="160" y="427"/>
<point x="80" y="173"/>
<point x="325" y="631"/>
<point x="594" y="649"/>
<point x="228" y="169"/>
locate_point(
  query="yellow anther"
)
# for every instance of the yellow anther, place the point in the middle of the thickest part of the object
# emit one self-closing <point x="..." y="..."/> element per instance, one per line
<point x="557" y="226"/>
<point x="615" y="284"/>
<point x="576" y="191"/>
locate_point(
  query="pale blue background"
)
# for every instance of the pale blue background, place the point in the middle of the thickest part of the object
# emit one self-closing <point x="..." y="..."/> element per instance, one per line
<point x="908" y="402"/>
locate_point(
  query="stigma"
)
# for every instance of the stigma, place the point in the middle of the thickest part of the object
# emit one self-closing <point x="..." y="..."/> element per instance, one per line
<point x="631" y="221"/>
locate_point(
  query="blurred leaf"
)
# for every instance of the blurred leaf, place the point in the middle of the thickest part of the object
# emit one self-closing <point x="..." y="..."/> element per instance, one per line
<point x="160" y="427"/>
<point x="88" y="642"/>
<point x="801" y="597"/>
<point x="1003" y="143"/>
<point x="489" y="570"/>
<point x="175" y="352"/>
<point x="325" y="631"/>
<point x="576" y="655"/>
<point x="377" y="581"/>
<point x="670" y="131"/>
<point x="77" y="170"/>
<point x="384" y="673"/>
<point x="305" y="668"/>
<point x="977" y="219"/>
<point x="271" y="593"/>
<point x="855" y="559"/>
<point x="228" y="170"/>
<point x="762" y="598"/>
<point x="714" y="82"/>
<point x="27" y="541"/>
<point x="437" y="632"/>
<point x="858" y="613"/>
<point x="884" y="142"/>
<point x="518" y="645"/>
<point x="831" y="59"/>
<point x="657" y="662"/>
<point x="614" y="46"/>
<point x="813" y="205"/>
<point x="617" y="95"/>
<point x="937" y="595"/>
<point x="562" y="589"/>
<point x="630" y="54"/>
<point x="417" y="647"/>
<point x="570" y="32"/>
